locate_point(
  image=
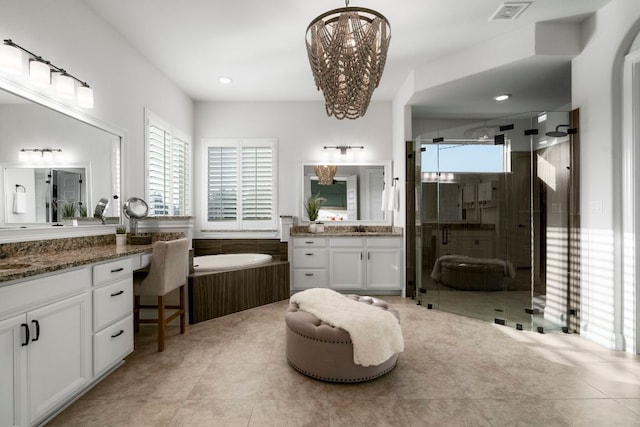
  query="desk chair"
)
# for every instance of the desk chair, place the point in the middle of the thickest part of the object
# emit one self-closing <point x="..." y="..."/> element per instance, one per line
<point x="167" y="272"/>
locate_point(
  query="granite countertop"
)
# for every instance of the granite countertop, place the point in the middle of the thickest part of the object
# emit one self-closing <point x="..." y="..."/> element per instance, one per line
<point x="40" y="263"/>
<point x="348" y="231"/>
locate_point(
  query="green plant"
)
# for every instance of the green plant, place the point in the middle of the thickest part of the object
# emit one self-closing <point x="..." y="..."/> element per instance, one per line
<point x="121" y="229"/>
<point x="82" y="210"/>
<point x="68" y="209"/>
<point x="313" y="206"/>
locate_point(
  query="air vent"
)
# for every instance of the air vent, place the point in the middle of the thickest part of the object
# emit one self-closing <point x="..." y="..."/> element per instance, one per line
<point x="509" y="11"/>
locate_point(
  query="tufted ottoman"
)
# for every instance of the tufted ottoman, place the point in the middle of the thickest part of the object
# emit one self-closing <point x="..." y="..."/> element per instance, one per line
<point x="324" y="352"/>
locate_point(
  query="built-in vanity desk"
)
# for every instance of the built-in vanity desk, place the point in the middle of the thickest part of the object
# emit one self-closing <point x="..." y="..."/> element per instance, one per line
<point x="65" y="321"/>
<point x="347" y="260"/>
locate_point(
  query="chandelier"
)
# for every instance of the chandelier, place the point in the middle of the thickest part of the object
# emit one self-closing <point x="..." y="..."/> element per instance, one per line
<point x="325" y="174"/>
<point x="347" y="50"/>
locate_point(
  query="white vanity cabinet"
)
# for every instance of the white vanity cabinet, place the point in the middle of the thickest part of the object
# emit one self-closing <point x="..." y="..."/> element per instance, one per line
<point x="350" y="263"/>
<point x="45" y="357"/>
<point x="112" y="313"/>
<point x="309" y="262"/>
<point x="59" y="333"/>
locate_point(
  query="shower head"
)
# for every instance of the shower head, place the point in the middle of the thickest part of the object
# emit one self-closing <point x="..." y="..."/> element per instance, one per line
<point x="558" y="133"/>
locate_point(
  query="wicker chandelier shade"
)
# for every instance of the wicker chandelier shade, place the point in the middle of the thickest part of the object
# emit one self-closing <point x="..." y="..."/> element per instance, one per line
<point x="347" y="50"/>
<point x="325" y="174"/>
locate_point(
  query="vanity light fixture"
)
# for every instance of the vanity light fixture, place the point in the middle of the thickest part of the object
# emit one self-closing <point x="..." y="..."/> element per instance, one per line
<point x="343" y="148"/>
<point x="40" y="71"/>
<point x="26" y="154"/>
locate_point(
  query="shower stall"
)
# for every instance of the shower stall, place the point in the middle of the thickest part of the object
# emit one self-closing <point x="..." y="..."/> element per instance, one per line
<point x="496" y="221"/>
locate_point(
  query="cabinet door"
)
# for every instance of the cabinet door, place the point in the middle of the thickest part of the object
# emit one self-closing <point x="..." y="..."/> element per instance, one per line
<point x="59" y="353"/>
<point x="346" y="268"/>
<point x="384" y="268"/>
<point x="13" y="372"/>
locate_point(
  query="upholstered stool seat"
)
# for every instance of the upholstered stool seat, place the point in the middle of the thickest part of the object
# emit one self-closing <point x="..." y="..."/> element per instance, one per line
<point x="324" y="352"/>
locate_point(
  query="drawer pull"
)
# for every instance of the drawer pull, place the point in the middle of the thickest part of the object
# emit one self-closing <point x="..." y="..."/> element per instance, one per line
<point x="308" y="274"/>
<point x="118" y="334"/>
<point x="26" y="334"/>
<point x="309" y="254"/>
<point x="37" y="330"/>
<point x="309" y="243"/>
<point x="116" y="270"/>
<point x="115" y="294"/>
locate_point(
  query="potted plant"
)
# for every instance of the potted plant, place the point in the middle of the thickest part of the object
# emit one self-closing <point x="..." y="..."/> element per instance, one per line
<point x="313" y="209"/>
<point x="68" y="213"/>
<point x="121" y="235"/>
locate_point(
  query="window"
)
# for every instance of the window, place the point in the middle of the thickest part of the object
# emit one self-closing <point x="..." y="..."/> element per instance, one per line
<point x="241" y="188"/>
<point x="448" y="157"/>
<point x="168" y="184"/>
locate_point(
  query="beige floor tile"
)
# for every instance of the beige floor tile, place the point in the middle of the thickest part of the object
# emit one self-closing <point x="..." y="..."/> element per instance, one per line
<point x="284" y="413"/>
<point x="377" y="412"/>
<point x="631" y="404"/>
<point x="208" y="413"/>
<point x="596" y="412"/>
<point x="231" y="380"/>
<point x="443" y="412"/>
<point x="122" y="413"/>
<point x="521" y="412"/>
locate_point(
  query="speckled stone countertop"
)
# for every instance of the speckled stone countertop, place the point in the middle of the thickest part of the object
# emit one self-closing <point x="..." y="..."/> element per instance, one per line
<point x="25" y="259"/>
<point x="348" y="231"/>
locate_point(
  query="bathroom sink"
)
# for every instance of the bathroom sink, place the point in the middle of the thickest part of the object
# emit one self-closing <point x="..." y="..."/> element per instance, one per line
<point x="13" y="266"/>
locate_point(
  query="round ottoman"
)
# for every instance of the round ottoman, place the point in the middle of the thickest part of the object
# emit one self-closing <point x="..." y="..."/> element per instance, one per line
<point x="324" y="352"/>
<point x="470" y="276"/>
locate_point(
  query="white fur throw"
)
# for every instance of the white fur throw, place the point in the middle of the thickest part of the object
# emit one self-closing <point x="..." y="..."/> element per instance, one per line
<point x="375" y="333"/>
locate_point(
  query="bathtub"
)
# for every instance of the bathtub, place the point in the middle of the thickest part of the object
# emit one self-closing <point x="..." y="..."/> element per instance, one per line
<point x="228" y="261"/>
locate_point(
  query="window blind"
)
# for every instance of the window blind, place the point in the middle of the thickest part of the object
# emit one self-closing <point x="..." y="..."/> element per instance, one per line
<point x="222" y="183"/>
<point x="168" y="170"/>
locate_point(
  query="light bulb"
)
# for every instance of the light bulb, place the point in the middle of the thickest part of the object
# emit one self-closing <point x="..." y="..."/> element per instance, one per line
<point x="39" y="73"/>
<point x="10" y="59"/>
<point x="85" y="96"/>
<point x="65" y="86"/>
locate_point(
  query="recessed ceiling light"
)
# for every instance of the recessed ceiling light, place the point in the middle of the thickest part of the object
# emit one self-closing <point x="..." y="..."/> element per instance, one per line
<point x="224" y="80"/>
<point x="502" y="97"/>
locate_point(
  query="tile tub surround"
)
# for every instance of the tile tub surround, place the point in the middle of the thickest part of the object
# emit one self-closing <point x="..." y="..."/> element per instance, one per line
<point x="273" y="247"/>
<point x="346" y="230"/>
<point x="455" y="370"/>
<point x="45" y="256"/>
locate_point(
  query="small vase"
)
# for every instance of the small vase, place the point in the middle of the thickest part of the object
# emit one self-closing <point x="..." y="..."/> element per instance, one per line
<point x="312" y="227"/>
<point x="70" y="221"/>
<point x="121" y="239"/>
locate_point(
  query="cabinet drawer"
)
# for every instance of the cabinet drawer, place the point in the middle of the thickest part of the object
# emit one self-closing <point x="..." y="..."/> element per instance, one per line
<point x="112" y="302"/>
<point x="309" y="279"/>
<point x="118" y="269"/>
<point x="309" y="258"/>
<point x="309" y="242"/>
<point x="111" y="344"/>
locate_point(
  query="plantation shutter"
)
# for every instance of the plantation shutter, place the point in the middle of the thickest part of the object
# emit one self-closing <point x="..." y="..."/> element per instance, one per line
<point x="257" y="183"/>
<point x="241" y="184"/>
<point x="168" y="170"/>
<point x="222" y="184"/>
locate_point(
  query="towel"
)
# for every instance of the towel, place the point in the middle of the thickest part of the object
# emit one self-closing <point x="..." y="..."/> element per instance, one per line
<point x="19" y="203"/>
<point x="393" y="202"/>
<point x="375" y="333"/>
<point x="385" y="199"/>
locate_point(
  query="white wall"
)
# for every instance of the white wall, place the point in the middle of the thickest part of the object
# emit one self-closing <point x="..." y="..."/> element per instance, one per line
<point x="71" y="36"/>
<point x="302" y="129"/>
<point x="597" y="91"/>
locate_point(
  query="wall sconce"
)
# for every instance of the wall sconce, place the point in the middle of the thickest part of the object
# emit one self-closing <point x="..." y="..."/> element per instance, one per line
<point x="343" y="148"/>
<point x="45" y="154"/>
<point x="40" y="73"/>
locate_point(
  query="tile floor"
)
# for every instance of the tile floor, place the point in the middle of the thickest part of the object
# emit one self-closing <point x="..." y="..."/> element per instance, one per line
<point x="455" y="371"/>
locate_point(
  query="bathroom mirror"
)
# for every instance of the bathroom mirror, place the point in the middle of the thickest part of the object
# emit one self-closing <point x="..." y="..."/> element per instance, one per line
<point x="85" y="169"/>
<point x="355" y="195"/>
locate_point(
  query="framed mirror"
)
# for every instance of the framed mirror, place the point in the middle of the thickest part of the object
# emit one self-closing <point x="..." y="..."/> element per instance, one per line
<point x="52" y="162"/>
<point x="353" y="193"/>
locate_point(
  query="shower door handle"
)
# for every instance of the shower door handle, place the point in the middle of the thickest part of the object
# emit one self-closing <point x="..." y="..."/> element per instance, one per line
<point x="445" y="235"/>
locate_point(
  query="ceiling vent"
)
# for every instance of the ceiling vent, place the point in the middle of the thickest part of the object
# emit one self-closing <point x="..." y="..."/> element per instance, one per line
<point x="509" y="11"/>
